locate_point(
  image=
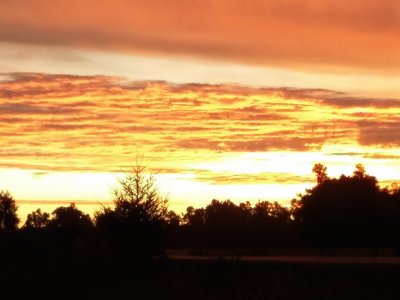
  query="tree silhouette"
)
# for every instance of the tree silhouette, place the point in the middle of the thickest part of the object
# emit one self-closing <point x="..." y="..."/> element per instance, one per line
<point x="223" y="224"/>
<point x="70" y="219"/>
<point x="37" y="220"/>
<point x="270" y="224"/>
<point x="138" y="197"/>
<point x="173" y="219"/>
<point x="69" y="229"/>
<point x="194" y="216"/>
<point x="343" y="212"/>
<point x="359" y="172"/>
<point x="139" y="219"/>
<point x="8" y="212"/>
<point x="347" y="212"/>
<point x="320" y="171"/>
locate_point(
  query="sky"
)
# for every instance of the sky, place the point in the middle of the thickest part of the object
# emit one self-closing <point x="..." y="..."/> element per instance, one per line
<point x="223" y="99"/>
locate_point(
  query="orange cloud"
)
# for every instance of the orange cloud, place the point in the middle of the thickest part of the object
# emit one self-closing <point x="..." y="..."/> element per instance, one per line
<point x="380" y="132"/>
<point x="333" y="34"/>
<point x="98" y="123"/>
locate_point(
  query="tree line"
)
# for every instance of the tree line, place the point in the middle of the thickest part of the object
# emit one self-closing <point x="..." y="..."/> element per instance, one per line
<point x="346" y="212"/>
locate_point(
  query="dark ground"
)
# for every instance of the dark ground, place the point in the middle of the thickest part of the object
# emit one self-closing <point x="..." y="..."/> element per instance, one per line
<point x="202" y="279"/>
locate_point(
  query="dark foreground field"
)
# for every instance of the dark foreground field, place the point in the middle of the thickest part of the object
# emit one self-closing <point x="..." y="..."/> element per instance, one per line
<point x="199" y="279"/>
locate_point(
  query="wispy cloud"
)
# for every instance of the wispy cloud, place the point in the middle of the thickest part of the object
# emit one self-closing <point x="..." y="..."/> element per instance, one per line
<point x="311" y="34"/>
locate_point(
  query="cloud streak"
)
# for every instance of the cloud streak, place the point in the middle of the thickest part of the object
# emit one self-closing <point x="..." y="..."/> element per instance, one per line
<point x="312" y="34"/>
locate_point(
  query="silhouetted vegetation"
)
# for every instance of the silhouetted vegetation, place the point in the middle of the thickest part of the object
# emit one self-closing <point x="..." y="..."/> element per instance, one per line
<point x="349" y="212"/>
<point x="37" y="220"/>
<point x="135" y="226"/>
<point x="338" y="216"/>
<point x="224" y="225"/>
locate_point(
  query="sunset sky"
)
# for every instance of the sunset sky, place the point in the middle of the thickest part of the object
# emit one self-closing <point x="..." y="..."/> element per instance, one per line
<point x="226" y="99"/>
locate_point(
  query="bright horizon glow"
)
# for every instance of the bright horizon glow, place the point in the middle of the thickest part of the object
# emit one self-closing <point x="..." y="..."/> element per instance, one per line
<point x="224" y="99"/>
<point x="77" y="134"/>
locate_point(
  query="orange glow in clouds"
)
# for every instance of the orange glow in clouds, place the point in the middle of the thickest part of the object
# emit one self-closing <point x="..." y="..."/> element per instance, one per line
<point x="308" y="34"/>
<point x="68" y="138"/>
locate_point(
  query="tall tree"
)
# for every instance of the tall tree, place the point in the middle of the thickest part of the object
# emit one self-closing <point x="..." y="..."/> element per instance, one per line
<point x="137" y="223"/>
<point x="138" y="196"/>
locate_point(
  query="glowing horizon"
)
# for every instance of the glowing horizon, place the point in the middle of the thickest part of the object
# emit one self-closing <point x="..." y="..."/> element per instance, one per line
<point x="224" y="99"/>
<point x="76" y="134"/>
